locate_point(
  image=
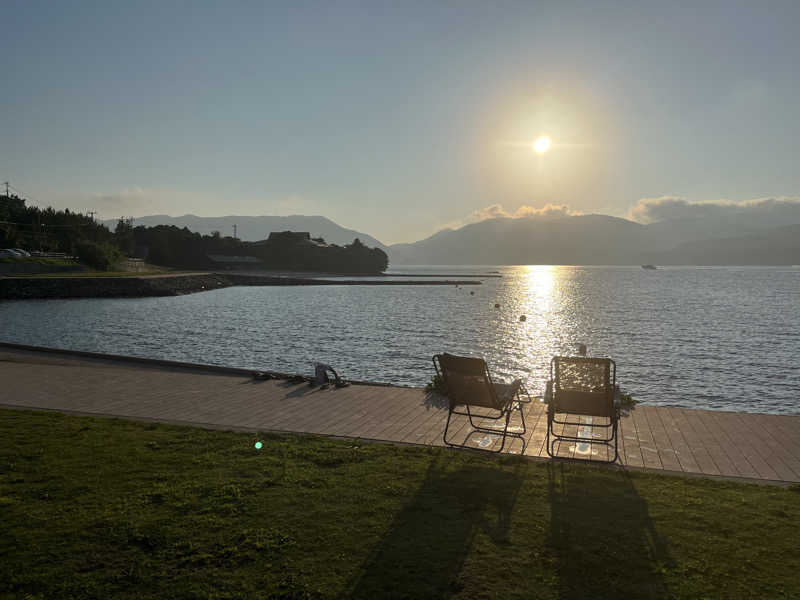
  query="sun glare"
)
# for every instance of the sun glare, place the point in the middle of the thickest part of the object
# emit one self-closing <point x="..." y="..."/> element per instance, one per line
<point x="542" y="144"/>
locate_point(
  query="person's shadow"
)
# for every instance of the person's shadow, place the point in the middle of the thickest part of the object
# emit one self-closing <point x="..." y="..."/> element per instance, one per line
<point x="423" y="553"/>
<point x="602" y="537"/>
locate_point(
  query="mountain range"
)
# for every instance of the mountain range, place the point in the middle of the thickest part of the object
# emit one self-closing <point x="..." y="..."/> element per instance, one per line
<point x="752" y="238"/>
<point x="768" y="238"/>
<point x="252" y="229"/>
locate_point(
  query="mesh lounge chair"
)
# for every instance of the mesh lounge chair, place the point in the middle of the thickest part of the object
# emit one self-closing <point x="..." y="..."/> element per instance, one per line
<point x="469" y="384"/>
<point x="582" y="386"/>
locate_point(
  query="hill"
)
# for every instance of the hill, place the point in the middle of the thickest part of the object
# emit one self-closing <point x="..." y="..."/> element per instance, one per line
<point x="668" y="234"/>
<point x="254" y="228"/>
<point x="605" y="240"/>
<point x="756" y="237"/>
<point x="774" y="246"/>
<point x="584" y="239"/>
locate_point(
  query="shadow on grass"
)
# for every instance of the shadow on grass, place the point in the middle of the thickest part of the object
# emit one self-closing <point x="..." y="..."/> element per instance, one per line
<point x="601" y="534"/>
<point x="424" y="550"/>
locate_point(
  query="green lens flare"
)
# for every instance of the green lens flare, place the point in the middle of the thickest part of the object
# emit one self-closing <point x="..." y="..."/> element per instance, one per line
<point x="258" y="445"/>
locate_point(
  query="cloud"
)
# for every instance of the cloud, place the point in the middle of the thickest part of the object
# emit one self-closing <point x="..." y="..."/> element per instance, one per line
<point x="651" y="210"/>
<point x="495" y="211"/>
<point x="548" y="211"/>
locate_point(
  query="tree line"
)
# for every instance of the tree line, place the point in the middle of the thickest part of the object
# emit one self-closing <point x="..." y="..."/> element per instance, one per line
<point x="75" y="234"/>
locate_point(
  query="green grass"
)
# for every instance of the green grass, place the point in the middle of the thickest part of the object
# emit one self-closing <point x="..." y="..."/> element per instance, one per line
<point x="98" y="508"/>
<point x="38" y="260"/>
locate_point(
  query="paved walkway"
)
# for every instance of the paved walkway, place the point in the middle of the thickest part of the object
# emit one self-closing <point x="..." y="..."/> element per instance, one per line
<point x="757" y="446"/>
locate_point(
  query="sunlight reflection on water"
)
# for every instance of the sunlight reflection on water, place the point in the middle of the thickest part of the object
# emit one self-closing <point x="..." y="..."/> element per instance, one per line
<point x="723" y="338"/>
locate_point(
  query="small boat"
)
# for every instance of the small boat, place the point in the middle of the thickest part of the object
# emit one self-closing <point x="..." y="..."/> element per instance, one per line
<point x="653" y="267"/>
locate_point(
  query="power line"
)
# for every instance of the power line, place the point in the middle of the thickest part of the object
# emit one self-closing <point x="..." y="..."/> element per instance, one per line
<point x="46" y="225"/>
<point x="20" y="194"/>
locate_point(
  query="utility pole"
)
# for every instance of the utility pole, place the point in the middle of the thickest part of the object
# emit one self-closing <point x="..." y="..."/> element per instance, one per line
<point x="234" y="231"/>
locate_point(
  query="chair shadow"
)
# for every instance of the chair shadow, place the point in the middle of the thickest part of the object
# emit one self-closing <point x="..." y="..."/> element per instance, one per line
<point x="423" y="553"/>
<point x="294" y="389"/>
<point x="481" y="441"/>
<point x="603" y="538"/>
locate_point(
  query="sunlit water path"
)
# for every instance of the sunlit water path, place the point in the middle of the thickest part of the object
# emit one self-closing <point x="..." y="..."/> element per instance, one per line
<point x="720" y="338"/>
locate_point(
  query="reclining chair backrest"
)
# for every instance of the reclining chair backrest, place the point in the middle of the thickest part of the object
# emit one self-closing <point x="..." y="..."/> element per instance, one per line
<point x="468" y="381"/>
<point x="583" y="386"/>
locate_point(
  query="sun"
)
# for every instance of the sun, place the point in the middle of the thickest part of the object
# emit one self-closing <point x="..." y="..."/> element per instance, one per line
<point x="542" y="144"/>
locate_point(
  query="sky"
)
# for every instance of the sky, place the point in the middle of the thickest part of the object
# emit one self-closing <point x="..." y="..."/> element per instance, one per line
<point x="397" y="118"/>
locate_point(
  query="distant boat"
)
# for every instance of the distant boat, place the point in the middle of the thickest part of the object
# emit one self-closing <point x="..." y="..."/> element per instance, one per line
<point x="649" y="267"/>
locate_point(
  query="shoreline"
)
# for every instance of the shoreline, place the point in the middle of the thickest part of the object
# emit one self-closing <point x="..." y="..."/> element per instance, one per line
<point x="39" y="288"/>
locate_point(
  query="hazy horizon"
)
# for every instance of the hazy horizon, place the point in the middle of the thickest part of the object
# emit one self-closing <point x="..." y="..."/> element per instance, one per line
<point x="401" y="119"/>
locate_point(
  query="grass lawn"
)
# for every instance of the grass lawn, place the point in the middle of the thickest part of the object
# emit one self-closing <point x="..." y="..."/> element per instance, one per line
<point x="101" y="508"/>
<point x="38" y="260"/>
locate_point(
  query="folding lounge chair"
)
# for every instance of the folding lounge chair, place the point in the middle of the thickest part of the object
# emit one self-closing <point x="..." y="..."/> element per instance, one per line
<point x="583" y="386"/>
<point x="469" y="384"/>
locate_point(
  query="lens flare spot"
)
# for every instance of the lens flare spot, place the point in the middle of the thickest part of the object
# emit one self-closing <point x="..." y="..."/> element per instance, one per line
<point x="258" y="445"/>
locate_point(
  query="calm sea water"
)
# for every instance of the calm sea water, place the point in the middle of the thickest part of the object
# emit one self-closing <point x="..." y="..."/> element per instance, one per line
<point x="719" y="338"/>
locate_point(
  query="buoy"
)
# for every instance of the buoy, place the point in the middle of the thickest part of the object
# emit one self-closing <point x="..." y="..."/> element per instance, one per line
<point x="523" y="318"/>
<point x="496" y="305"/>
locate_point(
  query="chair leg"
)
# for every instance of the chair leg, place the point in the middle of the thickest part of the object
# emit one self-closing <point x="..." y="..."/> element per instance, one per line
<point x="505" y="433"/>
<point x="469" y="414"/>
<point x="550" y="445"/>
<point x="522" y="417"/>
<point x="447" y="426"/>
<point x="477" y="428"/>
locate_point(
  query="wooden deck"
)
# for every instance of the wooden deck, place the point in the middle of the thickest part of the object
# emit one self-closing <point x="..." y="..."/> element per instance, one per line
<point x="755" y="446"/>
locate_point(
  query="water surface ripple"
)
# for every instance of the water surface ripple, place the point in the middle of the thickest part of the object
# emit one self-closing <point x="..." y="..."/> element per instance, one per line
<point x="717" y="338"/>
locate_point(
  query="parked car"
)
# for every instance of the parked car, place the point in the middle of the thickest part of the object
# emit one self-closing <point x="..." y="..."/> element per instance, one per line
<point x="9" y="253"/>
<point x="24" y="253"/>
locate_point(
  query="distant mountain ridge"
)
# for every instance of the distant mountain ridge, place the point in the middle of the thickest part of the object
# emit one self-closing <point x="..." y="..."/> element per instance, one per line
<point x="768" y="238"/>
<point x="737" y="239"/>
<point x="585" y="239"/>
<point x="254" y="228"/>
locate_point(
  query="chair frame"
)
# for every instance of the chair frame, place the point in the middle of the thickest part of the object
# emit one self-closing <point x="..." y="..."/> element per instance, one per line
<point x="610" y="396"/>
<point x="504" y="411"/>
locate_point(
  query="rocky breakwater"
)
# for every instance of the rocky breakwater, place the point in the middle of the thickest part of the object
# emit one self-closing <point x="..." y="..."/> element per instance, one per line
<point x="28" y="288"/>
<point x="22" y="288"/>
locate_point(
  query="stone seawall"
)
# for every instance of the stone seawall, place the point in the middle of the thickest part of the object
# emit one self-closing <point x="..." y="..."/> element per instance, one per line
<point x="25" y="288"/>
<point x="106" y="287"/>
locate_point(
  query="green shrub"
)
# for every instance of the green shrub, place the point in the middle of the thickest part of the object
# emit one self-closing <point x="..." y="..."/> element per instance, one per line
<point x="627" y="404"/>
<point x="103" y="257"/>
<point x="437" y="384"/>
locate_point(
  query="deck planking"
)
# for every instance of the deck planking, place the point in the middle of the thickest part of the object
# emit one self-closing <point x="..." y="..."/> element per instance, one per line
<point x="714" y="443"/>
